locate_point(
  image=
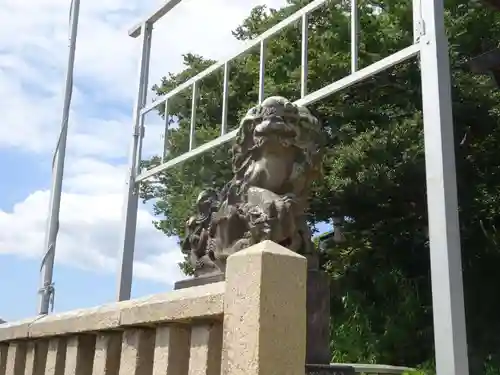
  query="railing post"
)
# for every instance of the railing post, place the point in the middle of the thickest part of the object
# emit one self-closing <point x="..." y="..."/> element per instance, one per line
<point x="137" y="353"/>
<point x="36" y="357"/>
<point x="56" y="356"/>
<point x="16" y="358"/>
<point x="450" y="335"/>
<point x="264" y="328"/>
<point x="107" y="353"/>
<point x="205" y="353"/>
<point x="172" y="350"/>
<point x="4" y="348"/>
<point x="127" y="241"/>
<point x="79" y="355"/>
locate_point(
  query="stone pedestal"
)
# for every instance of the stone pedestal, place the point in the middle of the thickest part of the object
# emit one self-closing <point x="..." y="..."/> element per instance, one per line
<point x="318" y="317"/>
<point x="318" y="311"/>
<point x="201" y="280"/>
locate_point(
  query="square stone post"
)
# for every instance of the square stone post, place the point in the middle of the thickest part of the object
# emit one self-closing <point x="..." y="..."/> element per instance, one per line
<point x="265" y="312"/>
<point x="137" y="353"/>
<point x="4" y="348"/>
<point x="107" y="353"/>
<point x="36" y="357"/>
<point x="16" y="358"/>
<point x="172" y="350"/>
<point x="56" y="356"/>
<point x="318" y="317"/>
<point x="79" y="355"/>
<point x="206" y="347"/>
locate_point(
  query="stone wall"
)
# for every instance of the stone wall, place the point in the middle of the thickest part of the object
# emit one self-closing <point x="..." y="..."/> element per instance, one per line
<point x="253" y="323"/>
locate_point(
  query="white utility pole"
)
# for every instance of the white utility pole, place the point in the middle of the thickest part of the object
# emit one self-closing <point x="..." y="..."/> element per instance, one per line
<point x="47" y="288"/>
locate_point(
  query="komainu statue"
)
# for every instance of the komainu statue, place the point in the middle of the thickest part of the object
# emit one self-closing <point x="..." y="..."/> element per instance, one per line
<point x="276" y="156"/>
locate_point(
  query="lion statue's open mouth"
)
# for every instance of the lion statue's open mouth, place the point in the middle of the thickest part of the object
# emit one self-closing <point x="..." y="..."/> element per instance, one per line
<point x="274" y="126"/>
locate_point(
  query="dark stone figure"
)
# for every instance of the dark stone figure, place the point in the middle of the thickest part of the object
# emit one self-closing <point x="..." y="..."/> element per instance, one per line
<point x="275" y="158"/>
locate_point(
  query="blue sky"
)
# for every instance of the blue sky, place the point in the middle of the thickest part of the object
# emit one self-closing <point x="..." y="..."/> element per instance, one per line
<point x="32" y="70"/>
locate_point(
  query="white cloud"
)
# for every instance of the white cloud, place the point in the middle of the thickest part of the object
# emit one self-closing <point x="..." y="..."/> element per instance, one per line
<point x="33" y="52"/>
<point x="90" y="224"/>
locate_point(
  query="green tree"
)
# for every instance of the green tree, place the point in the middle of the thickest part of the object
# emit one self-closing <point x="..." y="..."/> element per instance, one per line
<point x="374" y="170"/>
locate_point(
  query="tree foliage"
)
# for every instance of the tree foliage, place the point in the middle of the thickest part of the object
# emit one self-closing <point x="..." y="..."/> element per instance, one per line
<point x="374" y="170"/>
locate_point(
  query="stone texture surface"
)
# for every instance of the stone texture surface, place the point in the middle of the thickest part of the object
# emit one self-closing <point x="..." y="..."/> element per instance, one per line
<point x="4" y="348"/>
<point x="16" y="358"/>
<point x="202" y="302"/>
<point x="56" y="356"/>
<point x="29" y="367"/>
<point x="318" y="310"/>
<point x="262" y="302"/>
<point x="107" y="353"/>
<point x="16" y="330"/>
<point x="137" y="352"/>
<point x="199" y="302"/>
<point x="265" y="312"/>
<point x="36" y="357"/>
<point x="93" y="319"/>
<point x="318" y="317"/>
<point x="206" y="350"/>
<point x="79" y="355"/>
<point x="172" y="350"/>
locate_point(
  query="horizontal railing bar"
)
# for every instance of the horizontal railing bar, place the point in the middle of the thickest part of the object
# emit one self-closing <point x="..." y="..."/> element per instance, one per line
<point x="188" y="155"/>
<point x="225" y="99"/>
<point x="360" y="75"/>
<point x="135" y="31"/>
<point x="311" y="98"/>
<point x="247" y="46"/>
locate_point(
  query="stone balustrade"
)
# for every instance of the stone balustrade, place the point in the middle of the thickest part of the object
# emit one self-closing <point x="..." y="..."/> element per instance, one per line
<point x="253" y="323"/>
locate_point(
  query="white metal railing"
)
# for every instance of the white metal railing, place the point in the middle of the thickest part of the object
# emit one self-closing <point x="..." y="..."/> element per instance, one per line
<point x="306" y="99"/>
<point x="431" y="45"/>
<point x="361" y="368"/>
